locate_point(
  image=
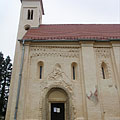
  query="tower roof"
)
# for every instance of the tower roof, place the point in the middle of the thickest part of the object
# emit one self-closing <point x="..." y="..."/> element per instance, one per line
<point x="40" y="2"/>
<point x="74" y="31"/>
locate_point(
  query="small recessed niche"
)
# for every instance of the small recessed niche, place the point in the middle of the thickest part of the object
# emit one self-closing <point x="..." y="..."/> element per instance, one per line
<point x="27" y="27"/>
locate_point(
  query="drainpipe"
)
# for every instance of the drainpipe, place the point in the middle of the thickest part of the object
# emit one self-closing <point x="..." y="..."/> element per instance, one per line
<point x="19" y="81"/>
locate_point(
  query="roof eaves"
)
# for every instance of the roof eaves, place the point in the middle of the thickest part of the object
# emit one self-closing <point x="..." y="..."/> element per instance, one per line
<point x="71" y="40"/>
<point x="115" y="39"/>
<point x="30" y="40"/>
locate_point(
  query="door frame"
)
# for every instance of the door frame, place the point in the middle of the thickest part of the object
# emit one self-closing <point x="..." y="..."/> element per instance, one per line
<point x="47" y="103"/>
<point x="57" y="102"/>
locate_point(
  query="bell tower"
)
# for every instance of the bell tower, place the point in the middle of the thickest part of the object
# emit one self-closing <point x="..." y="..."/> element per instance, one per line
<point x="31" y="15"/>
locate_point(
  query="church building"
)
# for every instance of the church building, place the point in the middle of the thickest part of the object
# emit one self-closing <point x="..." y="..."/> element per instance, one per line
<point x="64" y="71"/>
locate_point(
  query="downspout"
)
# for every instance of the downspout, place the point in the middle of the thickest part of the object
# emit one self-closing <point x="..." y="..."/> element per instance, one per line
<point x="19" y="81"/>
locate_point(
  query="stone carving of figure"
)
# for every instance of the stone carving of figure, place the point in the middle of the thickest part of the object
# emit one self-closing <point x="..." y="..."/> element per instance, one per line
<point x="56" y="73"/>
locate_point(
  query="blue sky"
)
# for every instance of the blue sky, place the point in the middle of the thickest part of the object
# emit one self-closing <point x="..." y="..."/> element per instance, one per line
<point x="56" y="12"/>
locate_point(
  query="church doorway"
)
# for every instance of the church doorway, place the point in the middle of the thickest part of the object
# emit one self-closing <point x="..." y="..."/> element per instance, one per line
<point x="57" y="104"/>
<point x="57" y="111"/>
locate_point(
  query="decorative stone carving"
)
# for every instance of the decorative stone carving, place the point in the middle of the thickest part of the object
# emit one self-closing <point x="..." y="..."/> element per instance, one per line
<point x="54" y="51"/>
<point x="46" y="86"/>
<point x="103" y="52"/>
<point x="56" y="73"/>
<point x="56" y="79"/>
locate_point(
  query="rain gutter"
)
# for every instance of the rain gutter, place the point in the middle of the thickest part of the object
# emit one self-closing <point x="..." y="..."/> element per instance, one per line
<point x="19" y="81"/>
<point x="74" y="40"/>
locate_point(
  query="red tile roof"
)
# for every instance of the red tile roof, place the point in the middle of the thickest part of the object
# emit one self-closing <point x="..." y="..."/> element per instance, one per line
<point x="74" y="31"/>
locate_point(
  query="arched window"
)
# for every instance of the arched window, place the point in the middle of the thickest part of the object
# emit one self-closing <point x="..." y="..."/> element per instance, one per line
<point x="40" y="70"/>
<point x="104" y="70"/>
<point x="74" y="70"/>
<point x="30" y="15"/>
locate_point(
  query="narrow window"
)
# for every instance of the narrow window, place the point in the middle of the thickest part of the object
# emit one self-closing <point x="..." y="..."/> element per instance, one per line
<point x="103" y="73"/>
<point x="28" y="15"/>
<point x="31" y="14"/>
<point x="74" y="70"/>
<point x="104" y="69"/>
<point x="40" y="72"/>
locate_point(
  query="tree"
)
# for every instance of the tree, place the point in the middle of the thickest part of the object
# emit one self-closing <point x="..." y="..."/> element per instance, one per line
<point x="5" y="76"/>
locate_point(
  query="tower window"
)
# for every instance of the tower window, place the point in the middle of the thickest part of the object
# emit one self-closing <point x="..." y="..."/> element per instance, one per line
<point x="30" y="15"/>
<point x="74" y="70"/>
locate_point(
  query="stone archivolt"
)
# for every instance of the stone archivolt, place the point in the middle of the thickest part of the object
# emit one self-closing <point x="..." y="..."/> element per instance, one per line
<point x="46" y="86"/>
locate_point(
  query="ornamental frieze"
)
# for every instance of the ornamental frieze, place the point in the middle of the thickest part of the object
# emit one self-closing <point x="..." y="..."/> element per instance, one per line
<point x="70" y="52"/>
<point x="103" y="52"/>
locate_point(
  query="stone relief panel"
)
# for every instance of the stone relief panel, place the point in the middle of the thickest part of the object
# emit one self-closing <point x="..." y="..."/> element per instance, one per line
<point x="57" y="77"/>
<point x="108" y="94"/>
<point x="56" y="74"/>
<point x="55" y="51"/>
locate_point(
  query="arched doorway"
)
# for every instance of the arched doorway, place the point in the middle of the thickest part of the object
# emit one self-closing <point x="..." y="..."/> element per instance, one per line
<point x="57" y="104"/>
